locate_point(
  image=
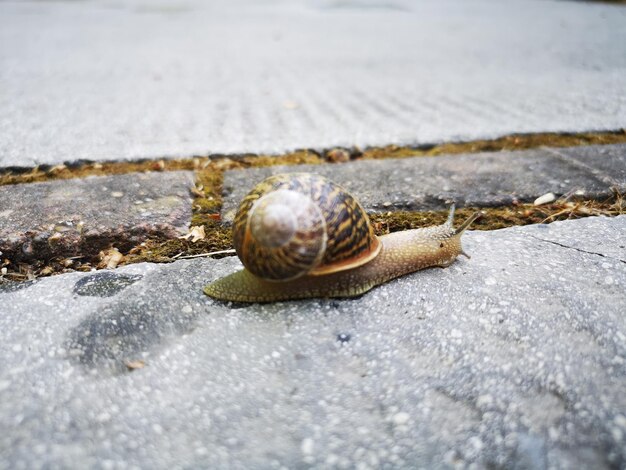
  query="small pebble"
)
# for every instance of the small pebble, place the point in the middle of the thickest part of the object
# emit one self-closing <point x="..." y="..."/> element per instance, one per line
<point x="490" y="281"/>
<point x="484" y="400"/>
<point x="307" y="446"/>
<point x="338" y="155"/>
<point x="401" y="418"/>
<point x="476" y="443"/>
<point x="545" y="199"/>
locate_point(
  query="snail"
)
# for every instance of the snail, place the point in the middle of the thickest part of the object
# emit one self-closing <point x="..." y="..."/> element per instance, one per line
<point x="300" y="235"/>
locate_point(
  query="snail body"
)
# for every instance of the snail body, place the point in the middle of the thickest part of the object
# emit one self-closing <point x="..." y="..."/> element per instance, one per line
<point x="301" y="236"/>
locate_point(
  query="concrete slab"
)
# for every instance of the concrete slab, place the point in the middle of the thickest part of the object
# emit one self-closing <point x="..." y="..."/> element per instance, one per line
<point x="84" y="215"/>
<point x="608" y="162"/>
<point x="483" y="179"/>
<point x="114" y="80"/>
<point x="513" y="359"/>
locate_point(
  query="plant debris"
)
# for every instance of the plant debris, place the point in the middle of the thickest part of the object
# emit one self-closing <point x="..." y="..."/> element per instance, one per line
<point x="196" y="232"/>
<point x="136" y="364"/>
<point x="545" y="199"/>
<point x="110" y="258"/>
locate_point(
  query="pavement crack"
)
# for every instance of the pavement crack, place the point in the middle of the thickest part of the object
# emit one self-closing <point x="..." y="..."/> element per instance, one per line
<point x="577" y="249"/>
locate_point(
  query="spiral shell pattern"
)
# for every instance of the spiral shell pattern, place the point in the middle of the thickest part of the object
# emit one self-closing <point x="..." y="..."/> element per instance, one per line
<point x="293" y="224"/>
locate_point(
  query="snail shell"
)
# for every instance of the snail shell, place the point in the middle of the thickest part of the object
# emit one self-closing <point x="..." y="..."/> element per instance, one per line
<point x="294" y="224"/>
<point x="316" y="239"/>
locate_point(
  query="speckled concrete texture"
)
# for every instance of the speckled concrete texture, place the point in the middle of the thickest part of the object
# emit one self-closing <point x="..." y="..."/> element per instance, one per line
<point x="483" y="179"/>
<point x="108" y="80"/>
<point x="84" y="215"/>
<point x="515" y="358"/>
<point x="607" y="162"/>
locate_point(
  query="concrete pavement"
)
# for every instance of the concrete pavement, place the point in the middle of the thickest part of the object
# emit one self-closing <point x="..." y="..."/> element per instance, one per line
<point x="478" y="179"/>
<point x="111" y="80"/>
<point x="515" y="358"/>
<point x="81" y="216"/>
<point x="85" y="215"/>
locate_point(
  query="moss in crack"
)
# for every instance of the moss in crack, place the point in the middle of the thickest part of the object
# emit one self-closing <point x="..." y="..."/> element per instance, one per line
<point x="309" y="156"/>
<point x="510" y="142"/>
<point x="502" y="217"/>
<point x="208" y="196"/>
<point x="218" y="236"/>
<point x="83" y="169"/>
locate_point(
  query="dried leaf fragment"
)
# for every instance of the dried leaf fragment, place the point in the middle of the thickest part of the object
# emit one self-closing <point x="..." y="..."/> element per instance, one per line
<point x="136" y="364"/>
<point x="110" y="258"/>
<point x="196" y="233"/>
<point x="158" y="165"/>
<point x="223" y="163"/>
<point x="46" y="271"/>
<point x="197" y="191"/>
<point x="57" y="169"/>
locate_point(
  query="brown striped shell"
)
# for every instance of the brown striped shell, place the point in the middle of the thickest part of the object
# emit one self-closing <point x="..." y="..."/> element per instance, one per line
<point x="301" y="223"/>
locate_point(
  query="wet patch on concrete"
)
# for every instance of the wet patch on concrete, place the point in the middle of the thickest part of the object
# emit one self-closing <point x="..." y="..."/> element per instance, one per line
<point x="127" y="331"/>
<point x="104" y="284"/>
<point x="12" y="286"/>
<point x="145" y="312"/>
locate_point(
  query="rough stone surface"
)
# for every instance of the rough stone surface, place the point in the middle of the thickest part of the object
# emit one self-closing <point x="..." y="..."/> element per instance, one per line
<point x="116" y="80"/>
<point x="607" y="162"/>
<point x="484" y="179"/>
<point x="513" y="359"/>
<point x="82" y="216"/>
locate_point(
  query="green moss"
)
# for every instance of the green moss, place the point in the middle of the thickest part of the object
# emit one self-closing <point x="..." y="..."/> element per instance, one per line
<point x="217" y="238"/>
<point x="501" y="217"/>
<point x="509" y="142"/>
